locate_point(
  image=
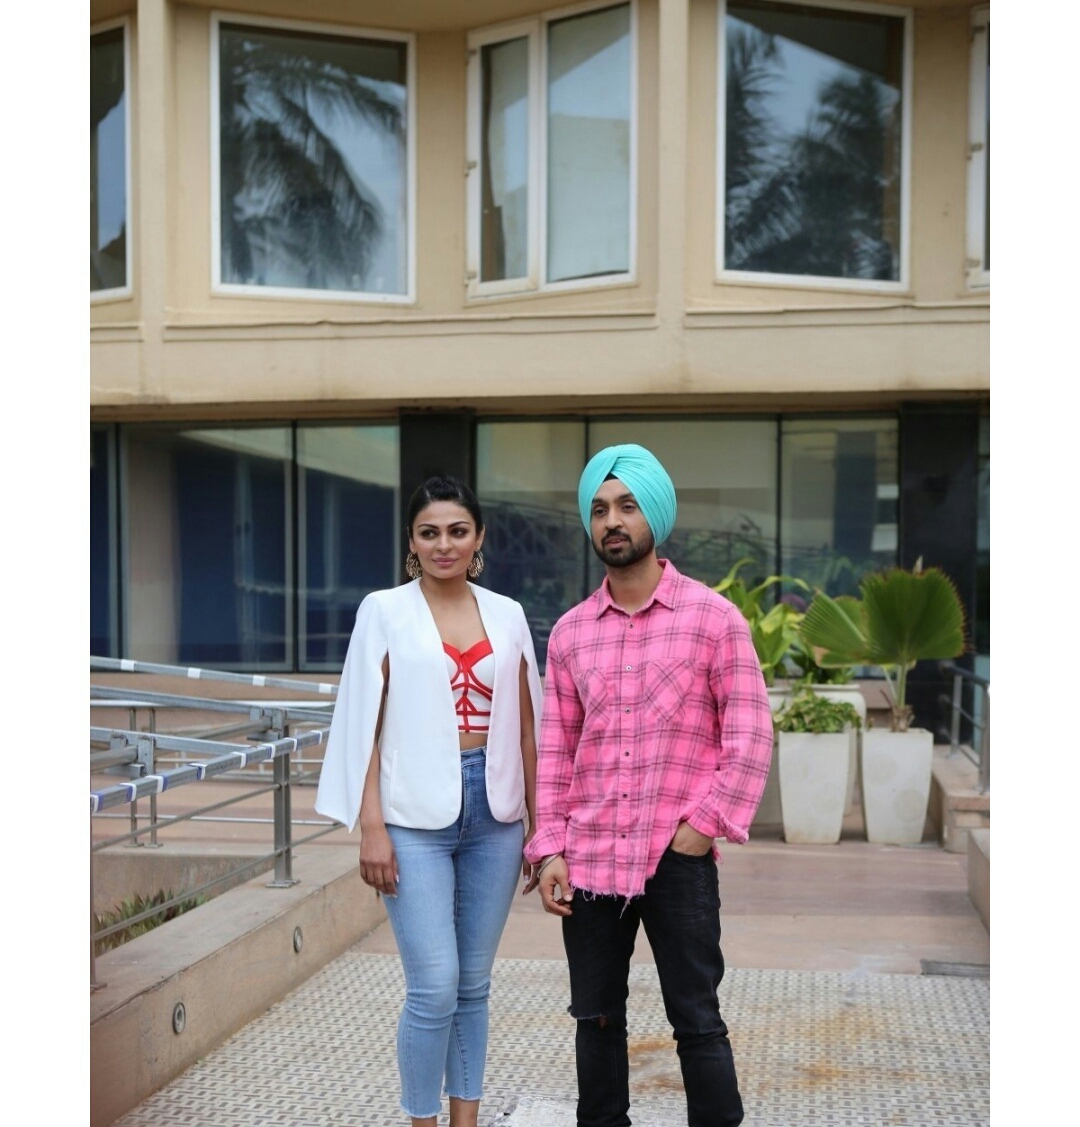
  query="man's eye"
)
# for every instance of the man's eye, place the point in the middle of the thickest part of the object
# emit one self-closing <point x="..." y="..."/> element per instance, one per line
<point x="598" y="511"/>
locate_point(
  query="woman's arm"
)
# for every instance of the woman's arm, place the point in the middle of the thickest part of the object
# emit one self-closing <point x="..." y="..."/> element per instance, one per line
<point x="528" y="766"/>
<point x="378" y="863"/>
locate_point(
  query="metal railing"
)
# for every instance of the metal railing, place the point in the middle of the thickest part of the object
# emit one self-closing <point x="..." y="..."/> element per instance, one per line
<point x="970" y="703"/>
<point x="154" y="763"/>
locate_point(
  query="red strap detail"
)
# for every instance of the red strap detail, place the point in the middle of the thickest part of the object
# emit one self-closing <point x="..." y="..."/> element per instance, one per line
<point x="465" y="684"/>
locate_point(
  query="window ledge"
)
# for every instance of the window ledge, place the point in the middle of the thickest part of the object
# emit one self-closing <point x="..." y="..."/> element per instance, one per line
<point x="443" y="325"/>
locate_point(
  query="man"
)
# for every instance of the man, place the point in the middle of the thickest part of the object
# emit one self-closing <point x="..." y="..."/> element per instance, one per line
<point x="655" y="740"/>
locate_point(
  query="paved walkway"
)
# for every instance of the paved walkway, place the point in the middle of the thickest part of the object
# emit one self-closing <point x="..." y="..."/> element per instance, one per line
<point x="832" y="1021"/>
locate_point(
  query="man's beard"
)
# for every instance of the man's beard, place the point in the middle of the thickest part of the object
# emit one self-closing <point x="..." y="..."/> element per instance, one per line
<point x="629" y="552"/>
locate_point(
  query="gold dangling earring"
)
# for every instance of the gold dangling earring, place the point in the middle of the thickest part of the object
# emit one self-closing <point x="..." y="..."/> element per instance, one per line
<point x="412" y="566"/>
<point x="476" y="565"/>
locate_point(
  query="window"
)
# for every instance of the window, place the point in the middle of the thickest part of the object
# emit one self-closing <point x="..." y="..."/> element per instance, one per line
<point x="814" y="107"/>
<point x="110" y="162"/>
<point x="839" y="505"/>
<point x="978" y="210"/>
<point x="208" y="544"/>
<point x="347" y="486"/>
<point x="311" y="161"/>
<point x="551" y="191"/>
<point x="534" y="547"/>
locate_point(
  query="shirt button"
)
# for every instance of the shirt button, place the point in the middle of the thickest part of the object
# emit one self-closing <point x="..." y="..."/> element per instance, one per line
<point x="626" y="753"/>
<point x="628" y="710"/>
<point x="625" y="795"/>
<point x="628" y="668"/>
<point x="622" y="835"/>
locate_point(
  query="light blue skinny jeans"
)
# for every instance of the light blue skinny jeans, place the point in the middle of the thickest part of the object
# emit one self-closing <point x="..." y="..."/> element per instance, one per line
<point x="455" y="888"/>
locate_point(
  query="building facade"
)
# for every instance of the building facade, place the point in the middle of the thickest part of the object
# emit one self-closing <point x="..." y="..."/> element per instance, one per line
<point x="338" y="245"/>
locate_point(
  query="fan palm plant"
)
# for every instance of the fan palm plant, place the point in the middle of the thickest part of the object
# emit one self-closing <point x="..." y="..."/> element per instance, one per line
<point x="903" y="617"/>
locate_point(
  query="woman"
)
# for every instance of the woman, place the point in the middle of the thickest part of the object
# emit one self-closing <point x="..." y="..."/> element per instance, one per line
<point x="433" y="742"/>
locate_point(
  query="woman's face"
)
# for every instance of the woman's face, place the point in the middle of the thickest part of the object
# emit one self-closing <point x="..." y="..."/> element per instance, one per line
<point x="444" y="537"/>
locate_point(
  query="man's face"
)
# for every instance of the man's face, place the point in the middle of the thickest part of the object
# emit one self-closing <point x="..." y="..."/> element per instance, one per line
<point x="619" y="531"/>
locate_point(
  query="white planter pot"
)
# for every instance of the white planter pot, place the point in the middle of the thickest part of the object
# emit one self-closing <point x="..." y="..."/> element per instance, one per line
<point x="848" y="694"/>
<point x="768" y="811"/>
<point x="813" y="785"/>
<point x="896" y="784"/>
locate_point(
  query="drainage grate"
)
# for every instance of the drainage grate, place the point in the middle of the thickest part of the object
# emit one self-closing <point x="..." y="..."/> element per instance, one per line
<point x="956" y="970"/>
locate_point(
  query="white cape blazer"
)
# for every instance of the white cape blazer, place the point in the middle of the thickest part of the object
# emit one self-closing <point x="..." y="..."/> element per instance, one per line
<point x="420" y="764"/>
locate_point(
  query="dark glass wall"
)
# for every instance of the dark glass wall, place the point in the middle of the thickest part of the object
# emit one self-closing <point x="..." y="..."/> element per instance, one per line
<point x="253" y="546"/>
<point x="104" y="640"/>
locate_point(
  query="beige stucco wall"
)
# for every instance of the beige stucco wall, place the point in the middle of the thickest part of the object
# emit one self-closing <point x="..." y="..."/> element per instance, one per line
<point x="675" y="336"/>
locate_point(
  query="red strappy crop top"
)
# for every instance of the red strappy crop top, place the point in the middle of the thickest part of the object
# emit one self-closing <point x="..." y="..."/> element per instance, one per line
<point x="472" y="675"/>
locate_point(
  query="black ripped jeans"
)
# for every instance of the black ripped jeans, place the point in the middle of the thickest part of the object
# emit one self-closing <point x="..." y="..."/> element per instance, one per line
<point x="680" y="909"/>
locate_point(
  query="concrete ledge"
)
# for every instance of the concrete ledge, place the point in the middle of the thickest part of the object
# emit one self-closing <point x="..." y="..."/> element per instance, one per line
<point x="978" y="857"/>
<point x="957" y="806"/>
<point x="175" y="866"/>
<point x="227" y="961"/>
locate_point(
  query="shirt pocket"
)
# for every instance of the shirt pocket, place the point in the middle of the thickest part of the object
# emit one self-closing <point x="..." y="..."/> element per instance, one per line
<point x="595" y="692"/>
<point x="667" y="685"/>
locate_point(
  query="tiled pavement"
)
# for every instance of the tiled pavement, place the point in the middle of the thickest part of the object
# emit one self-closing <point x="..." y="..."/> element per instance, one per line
<point x="812" y="1048"/>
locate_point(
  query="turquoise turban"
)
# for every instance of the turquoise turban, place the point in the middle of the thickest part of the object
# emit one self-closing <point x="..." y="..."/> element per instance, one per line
<point x="641" y="473"/>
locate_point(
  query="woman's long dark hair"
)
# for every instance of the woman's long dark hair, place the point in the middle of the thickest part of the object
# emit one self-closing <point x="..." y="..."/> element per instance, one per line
<point x="444" y="487"/>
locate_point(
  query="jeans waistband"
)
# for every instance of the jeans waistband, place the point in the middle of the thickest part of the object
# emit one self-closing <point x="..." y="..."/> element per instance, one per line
<point x="473" y="753"/>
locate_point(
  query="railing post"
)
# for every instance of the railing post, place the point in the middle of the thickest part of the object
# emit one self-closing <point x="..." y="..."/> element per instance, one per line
<point x="283" y="877"/>
<point x="957" y="708"/>
<point x="984" y="744"/>
<point x="153" y="843"/>
<point x="133" y="809"/>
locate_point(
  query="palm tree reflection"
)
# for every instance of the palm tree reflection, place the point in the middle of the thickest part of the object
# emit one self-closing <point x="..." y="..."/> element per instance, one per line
<point x="823" y="200"/>
<point x="294" y="208"/>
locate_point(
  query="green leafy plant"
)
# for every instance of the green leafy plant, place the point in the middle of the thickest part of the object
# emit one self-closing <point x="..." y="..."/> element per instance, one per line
<point x="810" y="673"/>
<point x="903" y="617"/>
<point x="134" y="905"/>
<point x="809" y="712"/>
<point x="772" y="631"/>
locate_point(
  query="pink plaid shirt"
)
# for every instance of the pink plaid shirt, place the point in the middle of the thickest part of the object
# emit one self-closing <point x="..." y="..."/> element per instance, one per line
<point x="649" y="720"/>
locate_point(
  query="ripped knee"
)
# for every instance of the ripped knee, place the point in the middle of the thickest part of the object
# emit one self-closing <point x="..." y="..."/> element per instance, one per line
<point x="601" y="1020"/>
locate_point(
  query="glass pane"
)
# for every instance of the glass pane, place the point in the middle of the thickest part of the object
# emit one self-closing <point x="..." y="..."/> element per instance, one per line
<point x="504" y="204"/>
<point x="103" y="639"/>
<point x="313" y="161"/>
<point x="527" y="475"/>
<point x="348" y="519"/>
<point x="839" y="500"/>
<point x="208" y="535"/>
<point x="108" y="162"/>
<point x="588" y="123"/>
<point x="813" y="136"/>
<point x="724" y="472"/>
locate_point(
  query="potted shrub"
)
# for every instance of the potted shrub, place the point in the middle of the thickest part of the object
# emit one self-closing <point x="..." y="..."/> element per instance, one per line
<point x="813" y="754"/>
<point x="836" y="683"/>
<point x="903" y="617"/>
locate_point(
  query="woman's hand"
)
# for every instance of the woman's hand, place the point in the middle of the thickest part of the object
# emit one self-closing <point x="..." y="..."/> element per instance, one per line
<point x="530" y="873"/>
<point x="378" y="863"/>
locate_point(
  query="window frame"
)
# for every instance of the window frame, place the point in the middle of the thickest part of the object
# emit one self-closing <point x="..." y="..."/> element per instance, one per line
<point x="978" y="276"/>
<point x="818" y="281"/>
<point x="218" y="288"/>
<point x="535" y="281"/>
<point x="125" y="292"/>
